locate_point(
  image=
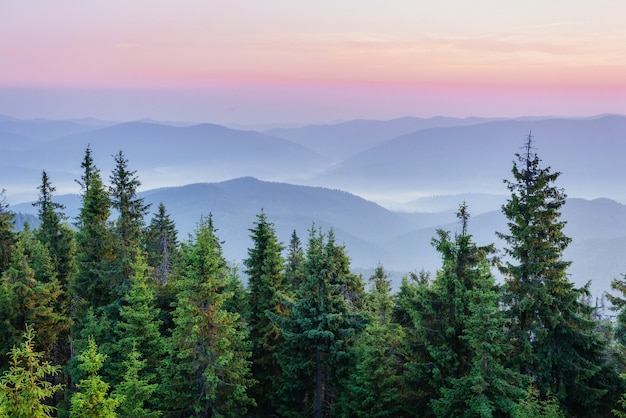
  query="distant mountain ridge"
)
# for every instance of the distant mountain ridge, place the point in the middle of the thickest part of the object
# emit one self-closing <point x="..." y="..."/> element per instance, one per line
<point x="371" y="233"/>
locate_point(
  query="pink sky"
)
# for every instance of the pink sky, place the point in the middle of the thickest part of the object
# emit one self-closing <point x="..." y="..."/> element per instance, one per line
<point x="243" y="61"/>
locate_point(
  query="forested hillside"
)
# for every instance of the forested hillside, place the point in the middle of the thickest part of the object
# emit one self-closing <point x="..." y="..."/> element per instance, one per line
<point x="115" y="313"/>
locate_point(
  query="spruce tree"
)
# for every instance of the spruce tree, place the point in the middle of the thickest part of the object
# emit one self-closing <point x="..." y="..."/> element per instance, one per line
<point x="138" y="333"/>
<point x="375" y="386"/>
<point x="161" y="244"/>
<point x="265" y="292"/>
<point x="130" y="217"/>
<point x="58" y="238"/>
<point x="54" y="233"/>
<point x="92" y="399"/>
<point x="135" y="390"/>
<point x="550" y="326"/>
<point x="318" y="332"/>
<point x="208" y="371"/>
<point x="294" y="263"/>
<point x="30" y="294"/>
<point x="93" y="284"/>
<point x="24" y="388"/>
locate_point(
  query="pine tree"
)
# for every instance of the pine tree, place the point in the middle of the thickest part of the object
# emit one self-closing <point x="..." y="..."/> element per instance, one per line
<point x="92" y="400"/>
<point x="24" y="388"/>
<point x="209" y="367"/>
<point x="551" y="327"/>
<point x="265" y="292"/>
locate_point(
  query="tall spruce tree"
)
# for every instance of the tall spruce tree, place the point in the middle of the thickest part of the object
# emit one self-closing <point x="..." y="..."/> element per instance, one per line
<point x="140" y="346"/>
<point x="161" y="242"/>
<point x="208" y="371"/>
<point x="319" y="332"/>
<point x="54" y="233"/>
<point x="93" y="284"/>
<point x="294" y="263"/>
<point x="550" y="326"/>
<point x="92" y="399"/>
<point x="30" y="294"/>
<point x="130" y="218"/>
<point x="465" y="340"/>
<point x="266" y="291"/>
<point x="375" y="386"/>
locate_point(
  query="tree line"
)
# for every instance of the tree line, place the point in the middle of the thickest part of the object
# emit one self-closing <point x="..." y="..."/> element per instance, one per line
<point x="113" y="315"/>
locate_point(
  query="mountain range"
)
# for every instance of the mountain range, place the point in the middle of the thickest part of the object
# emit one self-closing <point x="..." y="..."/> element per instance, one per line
<point x="412" y="165"/>
<point x="371" y="233"/>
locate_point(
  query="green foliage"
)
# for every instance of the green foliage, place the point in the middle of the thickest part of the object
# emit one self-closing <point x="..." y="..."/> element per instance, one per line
<point x="265" y="293"/>
<point x="94" y="284"/>
<point x="54" y="234"/>
<point x="375" y="387"/>
<point x="7" y="236"/>
<point x="209" y="367"/>
<point x="24" y="388"/>
<point x="552" y="329"/>
<point x="319" y="331"/>
<point x="161" y="244"/>
<point x="533" y="407"/>
<point x="30" y="295"/>
<point x="134" y="392"/>
<point x="130" y="218"/>
<point x="91" y="399"/>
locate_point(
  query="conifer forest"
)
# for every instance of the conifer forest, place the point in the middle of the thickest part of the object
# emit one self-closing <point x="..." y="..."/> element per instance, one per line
<point x="112" y="314"/>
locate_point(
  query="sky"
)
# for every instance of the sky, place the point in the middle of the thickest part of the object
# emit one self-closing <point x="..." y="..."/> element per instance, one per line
<point x="252" y="62"/>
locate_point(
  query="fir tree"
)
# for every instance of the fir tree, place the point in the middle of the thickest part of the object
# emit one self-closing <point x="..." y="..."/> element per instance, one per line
<point x="31" y="294"/>
<point x="375" y="386"/>
<point x="24" y="388"/>
<point x="135" y="390"/>
<point x="294" y="263"/>
<point x="138" y="331"/>
<point x="92" y="400"/>
<point x="130" y="217"/>
<point x="318" y="332"/>
<point x="551" y="327"/>
<point x="265" y="291"/>
<point x="93" y="283"/>
<point x="161" y="244"/>
<point x="208" y="374"/>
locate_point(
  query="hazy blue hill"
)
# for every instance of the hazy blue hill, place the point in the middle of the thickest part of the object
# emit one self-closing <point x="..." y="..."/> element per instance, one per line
<point x="597" y="228"/>
<point x="476" y="158"/>
<point x="372" y="234"/>
<point x="12" y="142"/>
<point x="171" y="155"/>
<point x="42" y="129"/>
<point x="342" y="140"/>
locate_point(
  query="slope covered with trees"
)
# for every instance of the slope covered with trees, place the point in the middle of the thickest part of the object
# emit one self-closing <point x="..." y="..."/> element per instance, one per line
<point x="113" y="315"/>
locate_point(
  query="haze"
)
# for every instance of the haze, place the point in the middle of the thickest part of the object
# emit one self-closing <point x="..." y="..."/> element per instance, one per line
<point x="243" y="62"/>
